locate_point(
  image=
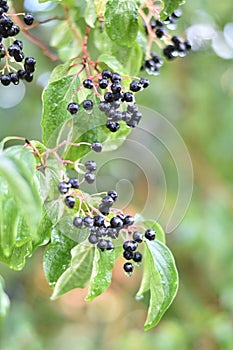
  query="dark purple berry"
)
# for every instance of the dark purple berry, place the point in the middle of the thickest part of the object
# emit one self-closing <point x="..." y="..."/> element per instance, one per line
<point x="128" y="97"/>
<point x="128" y="255"/>
<point x="28" y="77"/>
<point x="116" y="87"/>
<point x="14" y="78"/>
<point x="5" y="80"/>
<point x="131" y="246"/>
<point x="89" y="177"/>
<point x="63" y="187"/>
<point x="150" y="234"/>
<point x="88" y="83"/>
<point x="70" y="201"/>
<point x="137" y="257"/>
<point x="93" y="239"/>
<point x="106" y="74"/>
<point x="28" y="19"/>
<point x="102" y="244"/>
<point x="110" y="245"/>
<point x="108" y="201"/>
<point x="137" y="236"/>
<point x="115" y="77"/>
<point x="128" y="220"/>
<point x="103" y="83"/>
<point x="144" y="82"/>
<point x="74" y="183"/>
<point x="112" y="126"/>
<point x="128" y="267"/>
<point x="88" y="221"/>
<point x="113" y="194"/>
<point x="88" y="105"/>
<point x="98" y="221"/>
<point x="97" y="146"/>
<point x="103" y="209"/>
<point x="78" y="222"/>
<point x="116" y="222"/>
<point x="73" y="108"/>
<point x="135" y="86"/>
<point x="108" y="96"/>
<point x="90" y="165"/>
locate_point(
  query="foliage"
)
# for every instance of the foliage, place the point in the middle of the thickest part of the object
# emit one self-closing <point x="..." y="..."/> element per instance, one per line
<point x="32" y="209"/>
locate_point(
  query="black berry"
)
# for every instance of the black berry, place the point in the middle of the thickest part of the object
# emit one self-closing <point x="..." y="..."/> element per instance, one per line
<point x="113" y="194"/>
<point x="73" y="108"/>
<point x="63" y="187"/>
<point x="90" y="165"/>
<point x="103" y="83"/>
<point x="96" y="146"/>
<point x="116" y="222"/>
<point x="70" y="201"/>
<point x="78" y="222"/>
<point x="90" y="177"/>
<point x="128" y="255"/>
<point x="74" y="183"/>
<point x="150" y="234"/>
<point x="137" y="236"/>
<point x="128" y="267"/>
<point x="88" y="221"/>
<point x="130" y="246"/>
<point x="137" y="257"/>
<point x="98" y="221"/>
<point x="128" y="220"/>
<point x="93" y="239"/>
<point x="88" y="83"/>
<point x="28" y="19"/>
<point x="135" y="86"/>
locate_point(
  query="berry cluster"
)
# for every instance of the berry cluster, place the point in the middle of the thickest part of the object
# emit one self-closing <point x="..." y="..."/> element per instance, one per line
<point x="130" y="249"/>
<point x="14" y="52"/>
<point x="118" y="105"/>
<point x="174" y="47"/>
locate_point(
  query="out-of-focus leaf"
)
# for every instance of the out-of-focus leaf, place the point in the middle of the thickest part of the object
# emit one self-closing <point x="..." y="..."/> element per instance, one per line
<point x="4" y="300"/>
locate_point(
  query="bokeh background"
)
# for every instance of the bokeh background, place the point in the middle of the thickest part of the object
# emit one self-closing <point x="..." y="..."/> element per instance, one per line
<point x="196" y="95"/>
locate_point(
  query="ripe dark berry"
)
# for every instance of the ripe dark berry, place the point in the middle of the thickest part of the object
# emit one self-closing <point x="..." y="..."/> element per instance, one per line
<point x="29" y="64"/>
<point x="128" y="267"/>
<point x="156" y="59"/>
<point x="144" y="82"/>
<point x="128" y="97"/>
<point x="104" y="106"/>
<point x="78" y="222"/>
<point x="108" y="96"/>
<point x="98" y="221"/>
<point x="112" y="126"/>
<point x="116" y="87"/>
<point x="88" y="105"/>
<point x="110" y="245"/>
<point x="103" y="83"/>
<point x="128" y="255"/>
<point x="103" y="209"/>
<point x="14" y="30"/>
<point x="89" y="177"/>
<point x="19" y="43"/>
<point x="96" y="146"/>
<point x="137" y="236"/>
<point x="102" y="245"/>
<point x="21" y="73"/>
<point x="70" y="201"/>
<point x="160" y="32"/>
<point x="73" y="108"/>
<point x="135" y="86"/>
<point x="137" y="257"/>
<point x="115" y="77"/>
<point x="150" y="234"/>
<point x="90" y="165"/>
<point x="74" y="183"/>
<point x="28" y="19"/>
<point x="93" y="239"/>
<point x="14" y="78"/>
<point x="116" y="222"/>
<point x="88" y="221"/>
<point x="177" y="13"/>
<point x="131" y="246"/>
<point x="5" y="79"/>
<point x="112" y="232"/>
<point x="128" y="220"/>
<point x="169" y="52"/>
<point x="106" y="74"/>
<point x="113" y="194"/>
<point x="121" y="216"/>
<point x="188" y="45"/>
<point x="108" y="201"/>
<point x="63" y="187"/>
<point x="28" y="77"/>
<point x="88" y="83"/>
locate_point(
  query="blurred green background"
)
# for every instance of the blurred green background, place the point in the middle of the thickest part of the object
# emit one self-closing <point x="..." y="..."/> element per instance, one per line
<point x="196" y="95"/>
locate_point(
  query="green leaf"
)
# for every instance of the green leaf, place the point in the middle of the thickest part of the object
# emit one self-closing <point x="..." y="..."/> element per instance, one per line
<point x="121" y="21"/>
<point x="79" y="273"/>
<point x="57" y="256"/>
<point x="130" y="57"/>
<point x="112" y="63"/>
<point x="18" y="257"/>
<point x="17" y="171"/>
<point x="101" y="274"/>
<point x="160" y="277"/>
<point x="169" y="6"/>
<point x="90" y="13"/>
<point x="56" y="97"/>
<point x="4" y="300"/>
